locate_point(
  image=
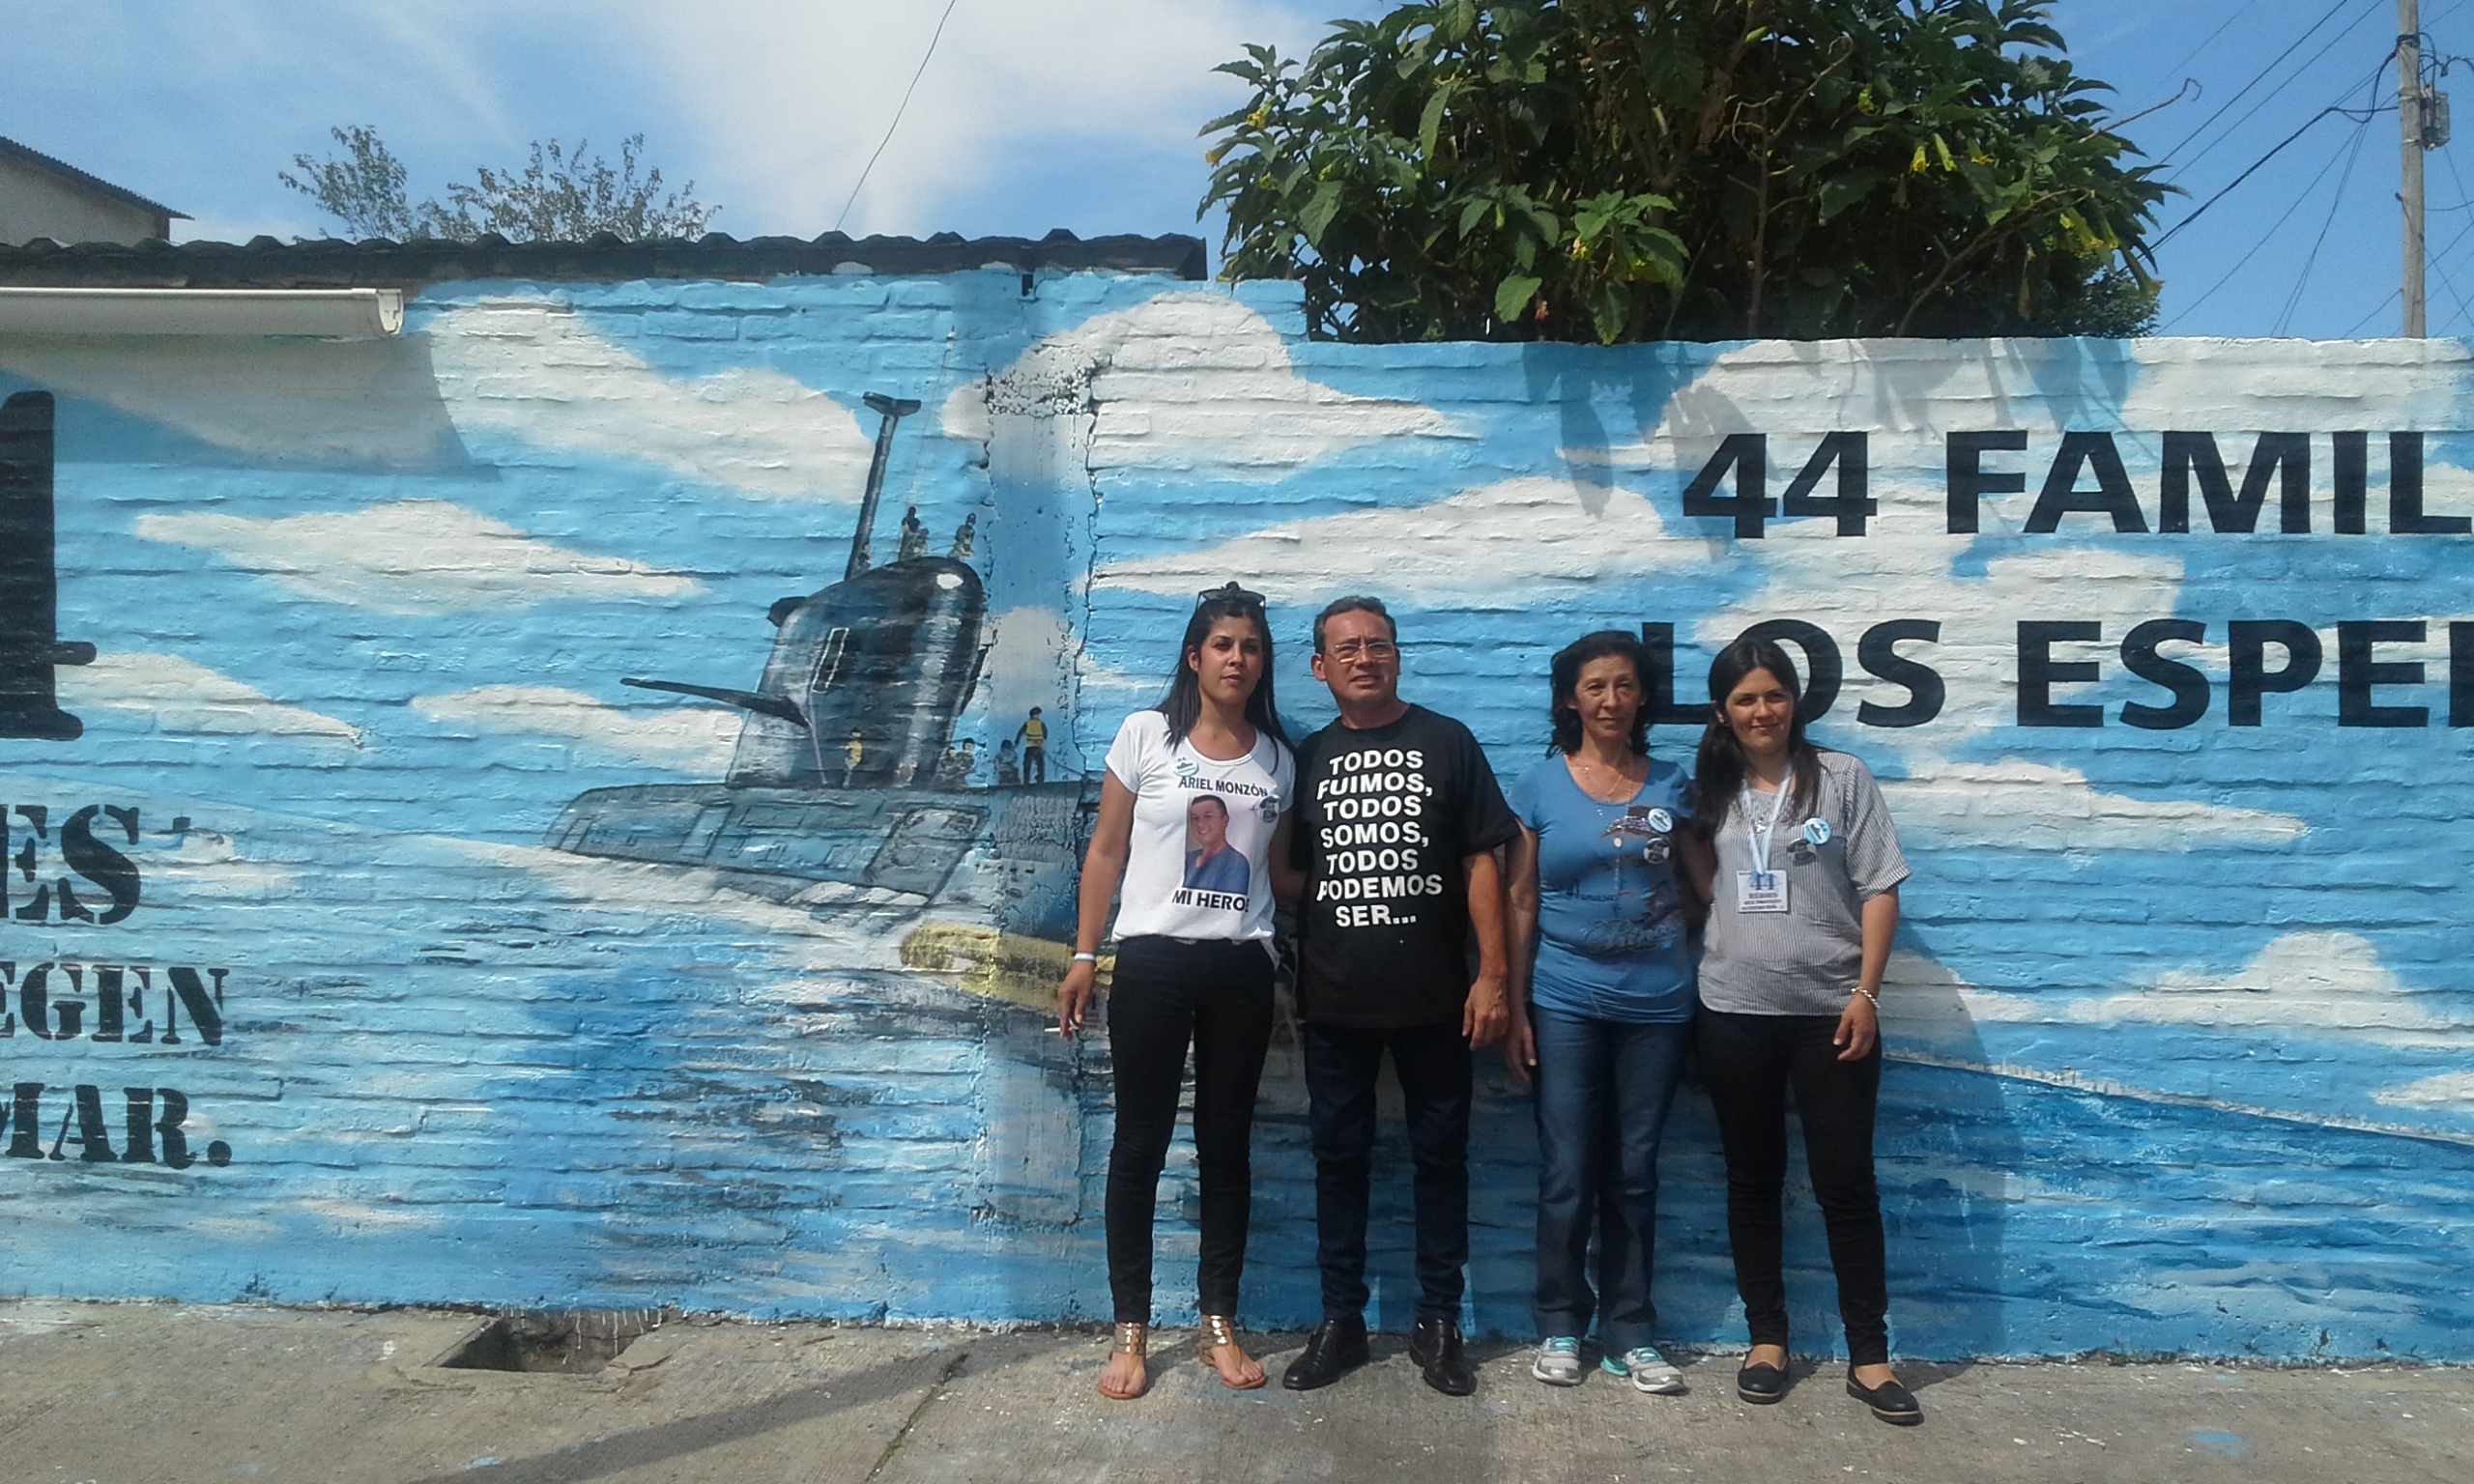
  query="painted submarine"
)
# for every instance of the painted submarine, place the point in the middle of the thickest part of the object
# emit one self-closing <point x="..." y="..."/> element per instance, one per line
<point x="845" y="794"/>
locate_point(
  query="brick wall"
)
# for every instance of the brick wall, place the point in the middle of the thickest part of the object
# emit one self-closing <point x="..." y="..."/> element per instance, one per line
<point x="488" y="988"/>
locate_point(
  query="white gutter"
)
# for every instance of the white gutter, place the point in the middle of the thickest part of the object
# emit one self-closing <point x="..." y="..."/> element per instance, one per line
<point x="328" y="313"/>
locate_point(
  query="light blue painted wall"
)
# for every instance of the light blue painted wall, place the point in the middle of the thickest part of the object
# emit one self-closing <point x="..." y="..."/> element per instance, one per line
<point x="2179" y="1025"/>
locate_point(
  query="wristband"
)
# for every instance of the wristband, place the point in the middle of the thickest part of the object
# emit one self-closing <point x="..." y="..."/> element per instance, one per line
<point x="1091" y="958"/>
<point x="1870" y="995"/>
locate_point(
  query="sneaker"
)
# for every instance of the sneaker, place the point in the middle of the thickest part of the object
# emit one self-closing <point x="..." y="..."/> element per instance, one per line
<point x="1649" y="1371"/>
<point x="1559" y="1362"/>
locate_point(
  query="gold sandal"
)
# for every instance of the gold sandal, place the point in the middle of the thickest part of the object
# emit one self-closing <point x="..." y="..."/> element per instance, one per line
<point x="1132" y="1339"/>
<point x="1219" y="1329"/>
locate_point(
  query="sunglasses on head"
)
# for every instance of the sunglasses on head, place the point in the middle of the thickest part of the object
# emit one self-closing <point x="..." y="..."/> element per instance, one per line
<point x="1228" y="592"/>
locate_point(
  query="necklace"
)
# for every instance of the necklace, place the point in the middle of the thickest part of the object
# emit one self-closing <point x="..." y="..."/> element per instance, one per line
<point x="1619" y="780"/>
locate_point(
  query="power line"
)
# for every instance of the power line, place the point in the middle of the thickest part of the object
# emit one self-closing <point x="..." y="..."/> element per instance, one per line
<point x="2363" y="115"/>
<point x="2272" y="96"/>
<point x="2265" y="237"/>
<point x="898" y="109"/>
<point x="2232" y="13"/>
<point x="2258" y="78"/>
<point x="2292" y="300"/>
<point x="2395" y="294"/>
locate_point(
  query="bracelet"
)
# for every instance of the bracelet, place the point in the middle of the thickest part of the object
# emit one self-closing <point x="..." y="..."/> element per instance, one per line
<point x="1092" y="959"/>
<point x="1870" y="995"/>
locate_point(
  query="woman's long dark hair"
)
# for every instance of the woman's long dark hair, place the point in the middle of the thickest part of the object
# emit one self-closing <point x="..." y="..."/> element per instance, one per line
<point x="1717" y="773"/>
<point x="1565" y="677"/>
<point x="1182" y="704"/>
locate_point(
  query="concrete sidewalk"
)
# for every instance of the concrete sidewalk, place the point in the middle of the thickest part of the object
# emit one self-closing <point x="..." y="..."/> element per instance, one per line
<point x="154" y="1393"/>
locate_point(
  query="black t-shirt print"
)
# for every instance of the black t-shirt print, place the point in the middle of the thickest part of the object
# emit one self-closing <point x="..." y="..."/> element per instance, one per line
<point x="1384" y="818"/>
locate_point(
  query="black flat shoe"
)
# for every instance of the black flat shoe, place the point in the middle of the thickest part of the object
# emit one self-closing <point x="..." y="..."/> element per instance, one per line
<point x="1890" y="1402"/>
<point x="1763" y="1385"/>
<point x="1434" y="1345"/>
<point x="1336" y="1347"/>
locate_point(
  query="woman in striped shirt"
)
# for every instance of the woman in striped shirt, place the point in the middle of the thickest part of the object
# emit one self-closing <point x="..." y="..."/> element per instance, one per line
<point x="1793" y="848"/>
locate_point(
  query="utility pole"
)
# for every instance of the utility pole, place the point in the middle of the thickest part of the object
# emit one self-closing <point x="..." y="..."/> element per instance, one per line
<point x="2409" y="118"/>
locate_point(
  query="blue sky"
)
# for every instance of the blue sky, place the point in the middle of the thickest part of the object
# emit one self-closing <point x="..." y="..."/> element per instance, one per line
<point x="1036" y="114"/>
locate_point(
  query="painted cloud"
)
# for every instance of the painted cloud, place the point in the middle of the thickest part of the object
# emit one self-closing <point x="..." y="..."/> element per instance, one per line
<point x="184" y="696"/>
<point x="1194" y="382"/>
<point x="413" y="557"/>
<point x="1506" y="537"/>
<point x="689" y="739"/>
<point x="537" y="374"/>
<point x="2302" y="983"/>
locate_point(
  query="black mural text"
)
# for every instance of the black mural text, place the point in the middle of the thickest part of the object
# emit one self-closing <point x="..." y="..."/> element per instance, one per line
<point x="76" y="872"/>
<point x="2376" y="685"/>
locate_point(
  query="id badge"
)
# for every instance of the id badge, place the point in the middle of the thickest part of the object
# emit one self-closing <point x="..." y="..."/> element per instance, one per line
<point x="1761" y="890"/>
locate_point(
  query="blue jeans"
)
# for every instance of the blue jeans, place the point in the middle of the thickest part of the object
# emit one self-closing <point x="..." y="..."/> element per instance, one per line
<point x="1603" y="1091"/>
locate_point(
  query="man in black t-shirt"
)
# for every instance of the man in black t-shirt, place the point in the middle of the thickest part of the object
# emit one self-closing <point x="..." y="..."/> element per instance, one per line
<point x="1390" y="854"/>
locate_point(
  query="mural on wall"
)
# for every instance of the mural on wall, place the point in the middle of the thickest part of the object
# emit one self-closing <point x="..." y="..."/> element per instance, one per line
<point x="847" y="791"/>
<point x="578" y="805"/>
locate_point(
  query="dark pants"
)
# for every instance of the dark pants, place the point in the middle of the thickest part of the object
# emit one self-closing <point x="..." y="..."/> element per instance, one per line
<point x="1035" y="764"/>
<point x="1167" y="994"/>
<point x="1603" y="1091"/>
<point x="1750" y="1061"/>
<point x="1432" y="1064"/>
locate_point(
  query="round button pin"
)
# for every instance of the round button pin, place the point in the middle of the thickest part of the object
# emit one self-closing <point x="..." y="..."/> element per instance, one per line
<point x="1660" y="820"/>
<point x="1817" y="830"/>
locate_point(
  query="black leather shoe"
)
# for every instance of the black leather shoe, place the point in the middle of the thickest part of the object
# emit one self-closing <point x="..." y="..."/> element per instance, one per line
<point x="1336" y="1347"/>
<point x="1890" y="1402"/>
<point x="1761" y="1384"/>
<point x="1434" y="1347"/>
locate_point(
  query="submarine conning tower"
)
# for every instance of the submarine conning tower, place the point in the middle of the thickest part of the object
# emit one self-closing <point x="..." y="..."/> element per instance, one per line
<point x="891" y="654"/>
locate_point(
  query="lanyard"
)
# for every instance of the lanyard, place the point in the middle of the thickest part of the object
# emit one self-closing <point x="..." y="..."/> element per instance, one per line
<point x="1759" y="839"/>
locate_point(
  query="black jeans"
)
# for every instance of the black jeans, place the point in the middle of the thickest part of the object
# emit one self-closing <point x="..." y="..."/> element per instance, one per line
<point x="1216" y="995"/>
<point x="1432" y="1064"/>
<point x="1749" y="1062"/>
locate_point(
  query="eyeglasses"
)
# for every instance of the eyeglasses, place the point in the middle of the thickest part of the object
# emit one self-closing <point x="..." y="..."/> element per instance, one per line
<point x="1374" y="651"/>
<point x="1228" y="592"/>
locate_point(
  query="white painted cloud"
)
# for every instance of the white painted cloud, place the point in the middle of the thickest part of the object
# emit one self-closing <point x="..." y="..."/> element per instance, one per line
<point x="539" y="374"/>
<point x="1536" y="535"/>
<point x="2326" y="983"/>
<point x="185" y="697"/>
<point x="411" y="557"/>
<point x="689" y="738"/>
<point x="207" y="864"/>
<point x="2450" y="1092"/>
<point x="2029" y="806"/>
<point x="1193" y="382"/>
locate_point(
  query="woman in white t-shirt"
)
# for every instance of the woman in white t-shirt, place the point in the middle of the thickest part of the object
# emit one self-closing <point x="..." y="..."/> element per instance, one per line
<point x="1193" y="790"/>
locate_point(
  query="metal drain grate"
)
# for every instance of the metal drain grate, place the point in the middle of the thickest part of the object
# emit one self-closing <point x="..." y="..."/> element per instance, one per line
<point x="577" y="1342"/>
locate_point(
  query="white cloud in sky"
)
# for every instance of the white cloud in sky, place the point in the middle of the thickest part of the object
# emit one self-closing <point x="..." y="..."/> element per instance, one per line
<point x="187" y="697"/>
<point x="796" y="96"/>
<point x="413" y="557"/>
<point x="1193" y="382"/>
<point x="2327" y="983"/>
<point x="688" y="738"/>
<point x="1516" y="535"/>
<point x="537" y="373"/>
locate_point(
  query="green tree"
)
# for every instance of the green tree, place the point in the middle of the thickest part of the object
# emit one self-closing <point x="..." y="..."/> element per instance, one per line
<point x="562" y="195"/>
<point x="1687" y="169"/>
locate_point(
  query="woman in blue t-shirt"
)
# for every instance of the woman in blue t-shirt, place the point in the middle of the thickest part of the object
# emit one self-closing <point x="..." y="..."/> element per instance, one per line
<point x="1601" y="996"/>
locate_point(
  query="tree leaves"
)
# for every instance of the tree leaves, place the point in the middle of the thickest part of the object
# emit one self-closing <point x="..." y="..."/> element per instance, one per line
<point x="1601" y="170"/>
<point x="560" y="195"/>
